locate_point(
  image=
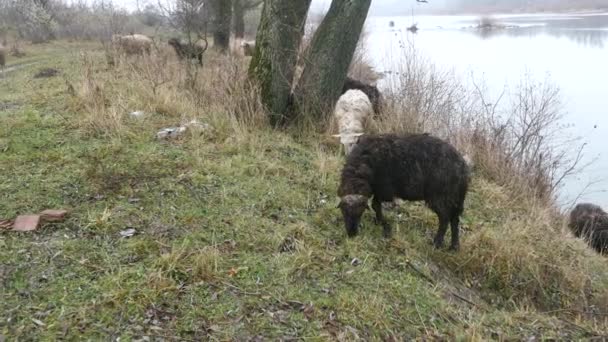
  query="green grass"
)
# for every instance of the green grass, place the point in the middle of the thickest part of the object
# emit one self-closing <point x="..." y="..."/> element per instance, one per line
<point x="239" y="237"/>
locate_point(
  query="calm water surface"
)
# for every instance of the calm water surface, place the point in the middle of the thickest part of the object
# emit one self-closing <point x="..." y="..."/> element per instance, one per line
<point x="572" y="50"/>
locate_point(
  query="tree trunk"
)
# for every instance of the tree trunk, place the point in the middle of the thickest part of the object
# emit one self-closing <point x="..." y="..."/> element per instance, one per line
<point x="329" y="57"/>
<point x="239" y="18"/>
<point x="277" y="42"/>
<point x="222" y="16"/>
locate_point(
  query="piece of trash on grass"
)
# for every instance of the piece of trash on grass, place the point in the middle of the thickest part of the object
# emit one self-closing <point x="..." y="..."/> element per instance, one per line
<point x="26" y="223"/>
<point x="355" y="262"/>
<point x="128" y="232"/>
<point x="170" y="133"/>
<point x="175" y="132"/>
<point x="137" y="114"/>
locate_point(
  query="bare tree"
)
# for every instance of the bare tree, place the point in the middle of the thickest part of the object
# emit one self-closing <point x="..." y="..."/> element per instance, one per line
<point x="239" y="9"/>
<point x="276" y="54"/>
<point x="189" y="17"/>
<point x="222" y="16"/>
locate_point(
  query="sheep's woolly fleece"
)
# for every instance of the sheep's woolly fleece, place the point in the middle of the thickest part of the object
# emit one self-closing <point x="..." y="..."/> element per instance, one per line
<point x="352" y="110"/>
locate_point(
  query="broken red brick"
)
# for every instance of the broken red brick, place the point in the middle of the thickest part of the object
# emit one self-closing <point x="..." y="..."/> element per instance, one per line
<point x="51" y="215"/>
<point x="26" y="223"/>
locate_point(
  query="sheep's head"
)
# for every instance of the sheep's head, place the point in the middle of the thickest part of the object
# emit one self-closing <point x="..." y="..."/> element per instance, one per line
<point x="352" y="207"/>
<point x="349" y="141"/>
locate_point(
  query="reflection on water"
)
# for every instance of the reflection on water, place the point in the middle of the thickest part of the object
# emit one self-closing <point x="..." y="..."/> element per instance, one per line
<point x="571" y="49"/>
<point x="587" y="30"/>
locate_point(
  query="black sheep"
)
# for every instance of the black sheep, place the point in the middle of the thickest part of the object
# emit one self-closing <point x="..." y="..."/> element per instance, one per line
<point x="590" y="222"/>
<point x="371" y="91"/>
<point x="188" y="50"/>
<point x="415" y="167"/>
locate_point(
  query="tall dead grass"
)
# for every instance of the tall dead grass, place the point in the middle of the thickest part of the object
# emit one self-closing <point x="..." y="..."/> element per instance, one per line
<point x="168" y="91"/>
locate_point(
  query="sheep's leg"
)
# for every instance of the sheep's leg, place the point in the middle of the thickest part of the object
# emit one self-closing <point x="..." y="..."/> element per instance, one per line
<point x="443" y="227"/>
<point x="455" y="245"/>
<point x="377" y="206"/>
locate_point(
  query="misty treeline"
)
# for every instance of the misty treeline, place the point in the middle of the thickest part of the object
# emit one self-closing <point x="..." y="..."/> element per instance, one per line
<point x="523" y="5"/>
<point x="44" y="20"/>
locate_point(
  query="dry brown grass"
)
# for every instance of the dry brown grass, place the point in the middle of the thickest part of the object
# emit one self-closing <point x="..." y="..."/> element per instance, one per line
<point x="170" y="92"/>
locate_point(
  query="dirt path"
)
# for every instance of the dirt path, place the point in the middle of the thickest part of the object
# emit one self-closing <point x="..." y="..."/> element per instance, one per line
<point x="15" y="67"/>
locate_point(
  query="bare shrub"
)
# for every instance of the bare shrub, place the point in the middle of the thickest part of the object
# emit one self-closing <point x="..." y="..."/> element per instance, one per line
<point x="515" y="139"/>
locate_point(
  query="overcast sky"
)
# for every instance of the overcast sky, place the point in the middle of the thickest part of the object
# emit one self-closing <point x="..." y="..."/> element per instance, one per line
<point x="381" y="7"/>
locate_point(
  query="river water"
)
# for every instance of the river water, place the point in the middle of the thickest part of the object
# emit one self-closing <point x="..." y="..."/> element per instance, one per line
<point x="570" y="49"/>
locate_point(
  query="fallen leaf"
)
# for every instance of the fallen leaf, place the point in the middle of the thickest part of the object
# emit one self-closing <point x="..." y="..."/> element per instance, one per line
<point x="26" y="223"/>
<point x="51" y="215"/>
<point x="128" y="232"/>
<point x="308" y="310"/>
<point x="232" y="272"/>
<point x="38" y="322"/>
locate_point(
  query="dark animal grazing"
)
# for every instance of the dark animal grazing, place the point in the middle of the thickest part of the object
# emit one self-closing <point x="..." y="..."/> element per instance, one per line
<point x="590" y="222"/>
<point x="46" y="72"/>
<point x="188" y="50"/>
<point x="371" y="91"/>
<point x="411" y="167"/>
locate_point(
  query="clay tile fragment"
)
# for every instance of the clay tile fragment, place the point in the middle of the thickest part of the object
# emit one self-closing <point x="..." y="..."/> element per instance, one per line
<point x="26" y="223"/>
<point x="51" y="215"/>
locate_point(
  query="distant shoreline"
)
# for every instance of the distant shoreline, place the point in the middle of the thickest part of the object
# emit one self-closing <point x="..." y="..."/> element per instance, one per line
<point x="497" y="13"/>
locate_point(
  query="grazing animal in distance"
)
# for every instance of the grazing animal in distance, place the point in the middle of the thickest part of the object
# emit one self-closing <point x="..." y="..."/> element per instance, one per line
<point x="133" y="44"/>
<point x="189" y="50"/>
<point x="416" y="167"/>
<point x="590" y="222"/>
<point x="352" y="111"/>
<point x="371" y="91"/>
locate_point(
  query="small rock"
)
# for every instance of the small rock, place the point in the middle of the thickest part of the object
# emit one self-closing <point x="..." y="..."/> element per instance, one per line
<point x="355" y="262"/>
<point x="26" y="223"/>
<point x="128" y="232"/>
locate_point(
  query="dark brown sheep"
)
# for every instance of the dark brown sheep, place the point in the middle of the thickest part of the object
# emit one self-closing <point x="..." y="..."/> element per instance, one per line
<point x="188" y="50"/>
<point x="590" y="222"/>
<point x="411" y="167"/>
<point x="371" y="91"/>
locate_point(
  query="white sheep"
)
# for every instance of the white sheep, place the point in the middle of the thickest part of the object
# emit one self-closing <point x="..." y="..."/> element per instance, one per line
<point x="248" y="47"/>
<point x="132" y="44"/>
<point x="352" y="110"/>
